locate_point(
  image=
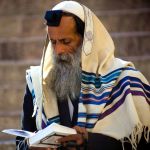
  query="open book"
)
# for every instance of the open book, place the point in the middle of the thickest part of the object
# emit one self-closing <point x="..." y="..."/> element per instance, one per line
<point x="43" y="138"/>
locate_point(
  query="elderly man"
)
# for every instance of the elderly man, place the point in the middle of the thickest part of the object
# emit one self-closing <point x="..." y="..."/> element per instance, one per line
<point x="81" y="84"/>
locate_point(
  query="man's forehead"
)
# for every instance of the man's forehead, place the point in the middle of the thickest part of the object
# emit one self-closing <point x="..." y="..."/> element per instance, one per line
<point x="67" y="25"/>
<point x="54" y="17"/>
<point x="67" y="20"/>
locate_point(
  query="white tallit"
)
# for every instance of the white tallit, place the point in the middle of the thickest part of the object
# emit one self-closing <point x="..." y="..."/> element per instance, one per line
<point x="114" y="97"/>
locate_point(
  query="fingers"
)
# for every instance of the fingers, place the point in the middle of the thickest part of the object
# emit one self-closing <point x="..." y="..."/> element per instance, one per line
<point x="81" y="130"/>
<point x="41" y="148"/>
<point x="67" y="138"/>
<point x="76" y="138"/>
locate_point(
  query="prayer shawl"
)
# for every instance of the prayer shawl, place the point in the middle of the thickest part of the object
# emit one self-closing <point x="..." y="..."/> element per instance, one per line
<point x="115" y="97"/>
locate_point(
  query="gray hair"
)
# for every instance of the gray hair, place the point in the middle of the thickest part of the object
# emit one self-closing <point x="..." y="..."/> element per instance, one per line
<point x="65" y="76"/>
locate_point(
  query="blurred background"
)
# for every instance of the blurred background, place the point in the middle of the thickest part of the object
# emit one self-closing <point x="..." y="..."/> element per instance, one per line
<point x="22" y="34"/>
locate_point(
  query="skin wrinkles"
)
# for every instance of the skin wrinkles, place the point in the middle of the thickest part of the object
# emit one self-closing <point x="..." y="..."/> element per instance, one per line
<point x="65" y="38"/>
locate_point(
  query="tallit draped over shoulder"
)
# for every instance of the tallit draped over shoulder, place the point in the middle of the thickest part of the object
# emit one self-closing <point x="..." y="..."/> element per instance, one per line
<point x="114" y="97"/>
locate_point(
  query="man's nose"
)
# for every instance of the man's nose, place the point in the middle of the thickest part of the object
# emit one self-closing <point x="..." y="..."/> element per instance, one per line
<point x="59" y="48"/>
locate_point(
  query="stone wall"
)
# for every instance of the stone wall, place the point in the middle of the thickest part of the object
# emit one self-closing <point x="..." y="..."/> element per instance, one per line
<point x="22" y="34"/>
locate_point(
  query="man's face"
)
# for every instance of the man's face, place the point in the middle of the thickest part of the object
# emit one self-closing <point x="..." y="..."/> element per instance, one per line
<point x="65" y="76"/>
<point x="64" y="38"/>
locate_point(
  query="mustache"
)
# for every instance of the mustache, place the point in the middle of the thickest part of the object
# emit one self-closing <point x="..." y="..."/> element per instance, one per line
<point x="64" y="58"/>
<point x="68" y="58"/>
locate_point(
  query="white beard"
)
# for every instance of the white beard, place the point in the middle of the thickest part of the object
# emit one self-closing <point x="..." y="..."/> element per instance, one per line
<point x="65" y="76"/>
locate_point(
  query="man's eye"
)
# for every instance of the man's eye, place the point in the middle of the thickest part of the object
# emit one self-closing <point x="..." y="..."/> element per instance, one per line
<point x="66" y="41"/>
<point x="53" y="42"/>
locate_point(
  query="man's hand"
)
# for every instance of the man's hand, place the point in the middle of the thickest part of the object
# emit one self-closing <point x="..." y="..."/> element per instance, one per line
<point x="77" y="139"/>
<point x="42" y="148"/>
<point x="82" y="131"/>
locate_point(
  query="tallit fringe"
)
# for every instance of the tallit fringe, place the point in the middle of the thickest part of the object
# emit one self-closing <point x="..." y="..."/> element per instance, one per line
<point x="147" y="134"/>
<point x="22" y="145"/>
<point x="35" y="110"/>
<point x="136" y="135"/>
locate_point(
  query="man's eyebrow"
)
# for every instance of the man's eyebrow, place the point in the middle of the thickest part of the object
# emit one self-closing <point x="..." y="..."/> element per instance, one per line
<point x="60" y="39"/>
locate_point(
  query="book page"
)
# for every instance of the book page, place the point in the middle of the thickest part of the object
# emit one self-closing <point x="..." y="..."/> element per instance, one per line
<point x="62" y="130"/>
<point x="20" y="133"/>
